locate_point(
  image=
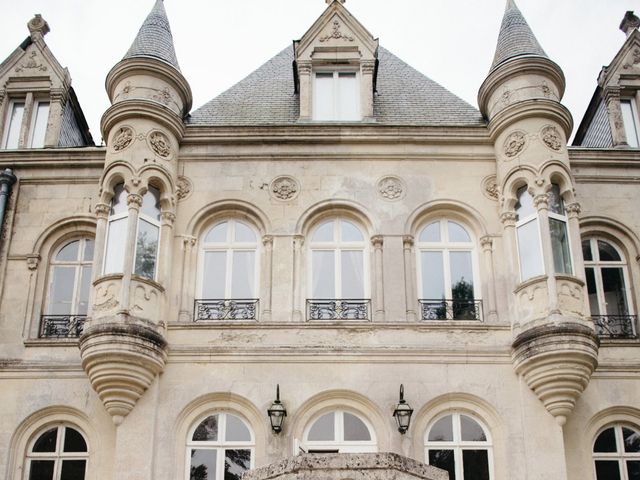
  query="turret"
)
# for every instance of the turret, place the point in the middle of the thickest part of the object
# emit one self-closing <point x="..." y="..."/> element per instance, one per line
<point x="554" y="347"/>
<point x="123" y="347"/>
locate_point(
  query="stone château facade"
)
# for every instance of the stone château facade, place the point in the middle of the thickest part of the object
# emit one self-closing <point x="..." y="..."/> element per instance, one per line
<point x="338" y="228"/>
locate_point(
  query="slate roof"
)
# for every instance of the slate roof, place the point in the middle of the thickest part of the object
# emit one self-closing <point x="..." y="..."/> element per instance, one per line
<point x="515" y="38"/>
<point x="154" y="38"/>
<point x="404" y="97"/>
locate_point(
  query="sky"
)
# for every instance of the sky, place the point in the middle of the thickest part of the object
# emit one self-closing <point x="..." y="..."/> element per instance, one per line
<point x="219" y="42"/>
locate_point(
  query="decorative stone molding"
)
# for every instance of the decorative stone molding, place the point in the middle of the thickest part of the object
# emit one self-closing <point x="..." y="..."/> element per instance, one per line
<point x="377" y="241"/>
<point x="102" y="210"/>
<point x="368" y="66"/>
<point x="514" y="144"/>
<point x="508" y="218"/>
<point x="183" y="187"/>
<point x="134" y="200"/>
<point x="38" y="26"/>
<point x="486" y="243"/>
<point x="490" y="188"/>
<point x="391" y="187"/>
<point x="122" y="139"/>
<point x="573" y="209"/>
<point x="408" y="241"/>
<point x="106" y="296"/>
<point x="336" y="33"/>
<point x="188" y="241"/>
<point x="284" y="188"/>
<point x="33" y="259"/>
<point x="556" y="361"/>
<point x="167" y="218"/>
<point x="32" y="63"/>
<point x="634" y="60"/>
<point x="163" y="96"/>
<point x="159" y="143"/>
<point x="267" y="240"/>
<point x="541" y="201"/>
<point x="551" y="137"/>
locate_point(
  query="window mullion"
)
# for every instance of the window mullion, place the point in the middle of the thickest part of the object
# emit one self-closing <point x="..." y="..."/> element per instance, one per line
<point x="446" y="265"/>
<point x="602" y="303"/>
<point x="228" y="280"/>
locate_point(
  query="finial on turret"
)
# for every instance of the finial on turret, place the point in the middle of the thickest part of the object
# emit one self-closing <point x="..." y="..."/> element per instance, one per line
<point x="629" y="23"/>
<point x="38" y="27"/>
<point x="329" y="2"/>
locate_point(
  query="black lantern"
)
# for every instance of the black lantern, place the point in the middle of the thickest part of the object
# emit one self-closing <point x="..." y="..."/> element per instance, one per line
<point x="276" y="413"/>
<point x="402" y="413"/>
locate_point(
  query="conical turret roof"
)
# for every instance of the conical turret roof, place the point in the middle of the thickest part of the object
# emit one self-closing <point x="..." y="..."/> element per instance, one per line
<point x="515" y="38"/>
<point x="154" y="38"/>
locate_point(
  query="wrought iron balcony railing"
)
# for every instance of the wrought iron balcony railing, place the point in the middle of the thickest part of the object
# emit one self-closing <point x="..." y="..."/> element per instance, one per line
<point x="61" y="326"/>
<point x="443" y="309"/>
<point x="339" y="309"/>
<point x="226" y="309"/>
<point x="616" y="326"/>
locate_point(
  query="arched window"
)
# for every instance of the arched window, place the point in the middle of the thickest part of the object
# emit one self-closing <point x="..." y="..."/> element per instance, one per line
<point x="528" y="230"/>
<point x="58" y="453"/>
<point x="559" y="232"/>
<point x="339" y="431"/>
<point x="147" y="234"/>
<point x="447" y="285"/>
<point x="219" y="447"/>
<point x="229" y="272"/>
<point x="608" y="288"/>
<point x="460" y="445"/>
<point x="616" y="453"/>
<point x="69" y="284"/>
<point x="338" y="273"/>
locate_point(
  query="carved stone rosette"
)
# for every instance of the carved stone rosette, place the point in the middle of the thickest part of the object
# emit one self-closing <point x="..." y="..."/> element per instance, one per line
<point x="284" y="188"/>
<point x="183" y="188"/>
<point x="551" y="138"/>
<point x="160" y="144"/>
<point x="391" y="188"/>
<point x="122" y="139"/>
<point x="514" y="144"/>
<point x="490" y="187"/>
<point x="557" y="361"/>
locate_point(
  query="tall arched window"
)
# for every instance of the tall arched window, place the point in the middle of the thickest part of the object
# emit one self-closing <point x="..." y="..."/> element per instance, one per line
<point x="229" y="272"/>
<point x="460" y="445"/>
<point x="69" y="284"/>
<point x="338" y="273"/>
<point x="219" y="447"/>
<point x="608" y="288"/>
<point x="528" y="231"/>
<point x="339" y="431"/>
<point x="58" y="453"/>
<point x="116" y="231"/>
<point x="616" y="453"/>
<point x="559" y="232"/>
<point x="446" y="266"/>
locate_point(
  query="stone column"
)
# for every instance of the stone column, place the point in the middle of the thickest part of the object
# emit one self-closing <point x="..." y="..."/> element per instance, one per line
<point x="411" y="298"/>
<point x="134" y="202"/>
<point x="186" y="293"/>
<point x="378" y="276"/>
<point x="486" y="243"/>
<point x="25" y="127"/>
<point x="512" y="271"/>
<point x="167" y="219"/>
<point x="305" y="90"/>
<point x="267" y="274"/>
<point x="298" y="242"/>
<point x="573" y="212"/>
<point x="367" y="68"/>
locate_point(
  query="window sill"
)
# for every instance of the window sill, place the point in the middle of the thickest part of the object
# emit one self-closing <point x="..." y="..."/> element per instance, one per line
<point x="51" y="342"/>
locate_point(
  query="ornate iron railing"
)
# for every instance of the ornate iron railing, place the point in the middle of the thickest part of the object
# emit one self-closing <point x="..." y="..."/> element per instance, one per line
<point x="226" y="309"/>
<point x="616" y="326"/>
<point x="444" y="309"/>
<point x="339" y="309"/>
<point x="61" y="326"/>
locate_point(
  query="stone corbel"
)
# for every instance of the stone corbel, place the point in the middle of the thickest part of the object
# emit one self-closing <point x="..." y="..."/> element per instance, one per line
<point x="33" y="260"/>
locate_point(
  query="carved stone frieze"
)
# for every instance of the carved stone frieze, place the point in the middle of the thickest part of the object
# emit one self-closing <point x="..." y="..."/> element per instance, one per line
<point x="183" y="187"/>
<point x="391" y="187"/>
<point x="551" y="138"/>
<point x="336" y="33"/>
<point x="514" y="144"/>
<point x="284" y="188"/>
<point x="490" y="188"/>
<point x="159" y="143"/>
<point x="32" y="63"/>
<point x="122" y="138"/>
<point x="634" y="60"/>
<point x="163" y="96"/>
<point x="106" y="297"/>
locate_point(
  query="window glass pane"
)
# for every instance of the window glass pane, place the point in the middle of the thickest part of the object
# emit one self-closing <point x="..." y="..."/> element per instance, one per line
<point x="560" y="246"/>
<point x="461" y="275"/>
<point x="61" y="297"/>
<point x="586" y="250"/>
<point x="74" y="441"/>
<point x="237" y="431"/>
<point x="631" y="440"/>
<point x="442" y="430"/>
<point x="592" y="290"/>
<point x="73" y="469"/>
<point x="236" y="462"/>
<point x="323" y="274"/>
<point x="119" y="200"/>
<point x="471" y="431"/>
<point x="203" y="464"/>
<point x="14" y="125"/>
<point x="323" y="108"/>
<point x="607" y="470"/>
<point x="355" y="429"/>
<point x="217" y="234"/>
<point x="457" y="233"/>
<point x="556" y="205"/>
<point x="607" y="252"/>
<point x="475" y="464"/>
<point x="244" y="233"/>
<point x="431" y="233"/>
<point x="630" y="123"/>
<point x="432" y="276"/>
<point x="114" y="258"/>
<point x="146" y="249"/>
<point x="85" y="286"/>
<point x="151" y="203"/>
<point x="207" y="431"/>
<point x="88" y="250"/>
<point x="633" y="470"/>
<point x="69" y="253"/>
<point x="41" y="470"/>
<point x="614" y="291"/>
<point x="324" y="233"/>
<point x="443" y="459"/>
<point x="606" y="442"/>
<point x="46" y="443"/>
<point x="348" y="101"/>
<point x="40" y="125"/>
<point x="350" y="233"/>
<point x="243" y="275"/>
<point x="323" y="429"/>
<point x="524" y="207"/>
<point x="352" y="274"/>
<point x="529" y="250"/>
<point x="213" y="279"/>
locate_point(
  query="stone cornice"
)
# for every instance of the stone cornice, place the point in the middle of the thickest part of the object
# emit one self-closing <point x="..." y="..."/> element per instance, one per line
<point x="137" y="109"/>
<point x="533" y="108"/>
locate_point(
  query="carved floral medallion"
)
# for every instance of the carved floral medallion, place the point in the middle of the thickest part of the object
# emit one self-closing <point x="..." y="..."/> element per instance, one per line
<point x="122" y="139"/>
<point x="391" y="188"/>
<point x="514" y="144"/>
<point x="551" y="138"/>
<point x="160" y="144"/>
<point x="183" y="188"/>
<point x="284" y="188"/>
<point x="490" y="187"/>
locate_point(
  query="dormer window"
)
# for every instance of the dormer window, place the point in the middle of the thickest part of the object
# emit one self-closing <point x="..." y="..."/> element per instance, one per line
<point x="336" y="96"/>
<point x="39" y="121"/>
<point x="13" y="125"/>
<point x="36" y="126"/>
<point x="630" y="120"/>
